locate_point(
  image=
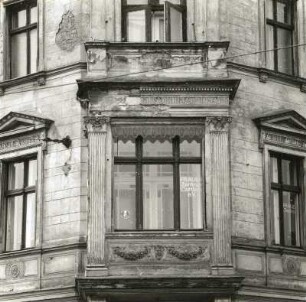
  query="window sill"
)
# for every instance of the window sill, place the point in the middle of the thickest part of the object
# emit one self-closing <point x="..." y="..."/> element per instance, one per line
<point x="159" y="234"/>
<point x="38" y="77"/>
<point x="25" y="252"/>
<point x="265" y="74"/>
<point x="286" y="250"/>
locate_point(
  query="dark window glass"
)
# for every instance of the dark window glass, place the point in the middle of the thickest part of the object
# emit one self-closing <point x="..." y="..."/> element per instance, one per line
<point x="154" y="21"/>
<point x="23" y="38"/>
<point x="158" y="187"/>
<point x="21" y="204"/>
<point x="279" y="34"/>
<point x="285" y="199"/>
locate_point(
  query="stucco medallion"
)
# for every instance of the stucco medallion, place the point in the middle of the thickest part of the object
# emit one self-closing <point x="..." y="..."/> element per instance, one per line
<point x="14" y="270"/>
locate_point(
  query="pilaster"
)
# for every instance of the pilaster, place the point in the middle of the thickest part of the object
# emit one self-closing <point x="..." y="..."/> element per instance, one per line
<point x="218" y="129"/>
<point x="97" y="133"/>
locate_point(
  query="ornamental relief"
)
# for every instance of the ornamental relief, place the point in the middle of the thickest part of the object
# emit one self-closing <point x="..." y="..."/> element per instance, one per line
<point x="136" y="253"/>
<point x="291" y="265"/>
<point x="218" y="123"/>
<point x="14" y="270"/>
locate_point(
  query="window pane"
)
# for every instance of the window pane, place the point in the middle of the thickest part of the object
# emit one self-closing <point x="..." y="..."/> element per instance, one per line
<point x="157" y="23"/>
<point x="136" y="26"/>
<point x="15" y="176"/>
<point x="284" y="12"/>
<point x="33" y="14"/>
<point x="19" y="19"/>
<point x="160" y="149"/>
<point x="289" y="173"/>
<point x="270" y="46"/>
<point x="14" y="223"/>
<point x="126" y="149"/>
<point x="276" y="222"/>
<point x="176" y="25"/>
<point x="158" y="210"/>
<point x="19" y="55"/>
<point x="125" y="197"/>
<point x="32" y="173"/>
<point x="190" y="149"/>
<point x="191" y="212"/>
<point x="291" y="219"/>
<point x="30" y="221"/>
<point x="274" y="170"/>
<point x="136" y="2"/>
<point x="33" y="49"/>
<point x="178" y="2"/>
<point x="284" y="38"/>
<point x="269" y="9"/>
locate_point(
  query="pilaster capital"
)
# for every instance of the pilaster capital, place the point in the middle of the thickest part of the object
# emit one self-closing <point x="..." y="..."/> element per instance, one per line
<point x="96" y="123"/>
<point x="218" y="123"/>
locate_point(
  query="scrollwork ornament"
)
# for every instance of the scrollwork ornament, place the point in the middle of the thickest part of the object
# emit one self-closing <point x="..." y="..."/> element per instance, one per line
<point x="291" y="265"/>
<point x="131" y="255"/>
<point x="218" y="123"/>
<point x="14" y="270"/>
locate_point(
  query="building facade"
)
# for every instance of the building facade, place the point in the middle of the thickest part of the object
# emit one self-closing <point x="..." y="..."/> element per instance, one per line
<point x="152" y="150"/>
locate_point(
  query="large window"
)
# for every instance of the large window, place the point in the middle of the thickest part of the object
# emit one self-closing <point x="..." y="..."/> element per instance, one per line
<point x="20" y="204"/>
<point x="23" y="38"/>
<point x="285" y="177"/>
<point x="154" y="20"/>
<point x="279" y="33"/>
<point x="158" y="184"/>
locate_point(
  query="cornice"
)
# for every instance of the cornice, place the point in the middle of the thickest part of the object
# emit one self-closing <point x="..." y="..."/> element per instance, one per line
<point x="264" y="75"/>
<point x="40" y="77"/>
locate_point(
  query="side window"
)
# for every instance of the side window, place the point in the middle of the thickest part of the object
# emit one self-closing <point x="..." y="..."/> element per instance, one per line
<point x="20" y="203"/>
<point x="154" y="20"/>
<point x="285" y="180"/>
<point x="280" y="33"/>
<point x="158" y="184"/>
<point x="23" y="49"/>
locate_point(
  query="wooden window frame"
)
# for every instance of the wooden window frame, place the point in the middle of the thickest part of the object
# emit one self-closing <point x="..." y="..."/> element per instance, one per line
<point x="17" y="192"/>
<point x="149" y="8"/>
<point x="176" y="160"/>
<point x="280" y="187"/>
<point x="279" y="25"/>
<point x="24" y="5"/>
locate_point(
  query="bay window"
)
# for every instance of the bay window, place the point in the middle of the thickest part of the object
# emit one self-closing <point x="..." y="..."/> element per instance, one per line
<point x="154" y="20"/>
<point x="158" y="184"/>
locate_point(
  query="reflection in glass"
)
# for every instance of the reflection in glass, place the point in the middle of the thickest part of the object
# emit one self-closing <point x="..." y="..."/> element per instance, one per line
<point x="125" y="197"/>
<point x="176" y="27"/>
<point x="274" y="170"/>
<point x="190" y="149"/>
<point x="276" y="219"/>
<point x="289" y="172"/>
<point x="33" y="15"/>
<point x="291" y="219"/>
<point x="32" y="173"/>
<point x="158" y="198"/>
<point x="33" y="50"/>
<point x="136" y="26"/>
<point x="269" y="9"/>
<point x="15" y="175"/>
<point x="30" y="221"/>
<point x="160" y="149"/>
<point x="14" y="223"/>
<point x="18" y="55"/>
<point x="171" y="1"/>
<point x="124" y="149"/>
<point x="284" y="12"/>
<point x="190" y="196"/>
<point x="19" y="19"/>
<point x="157" y="24"/>
<point x="284" y="39"/>
<point x="270" y="46"/>
<point x="137" y="2"/>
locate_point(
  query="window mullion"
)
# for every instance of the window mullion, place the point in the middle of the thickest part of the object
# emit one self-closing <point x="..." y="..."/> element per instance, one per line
<point x="28" y="41"/>
<point x="280" y="196"/>
<point x="24" y="204"/>
<point x="148" y="24"/>
<point x="275" y="44"/>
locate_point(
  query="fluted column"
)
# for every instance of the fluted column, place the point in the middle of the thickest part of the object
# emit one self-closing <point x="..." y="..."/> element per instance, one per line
<point x="218" y="128"/>
<point x="97" y="132"/>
